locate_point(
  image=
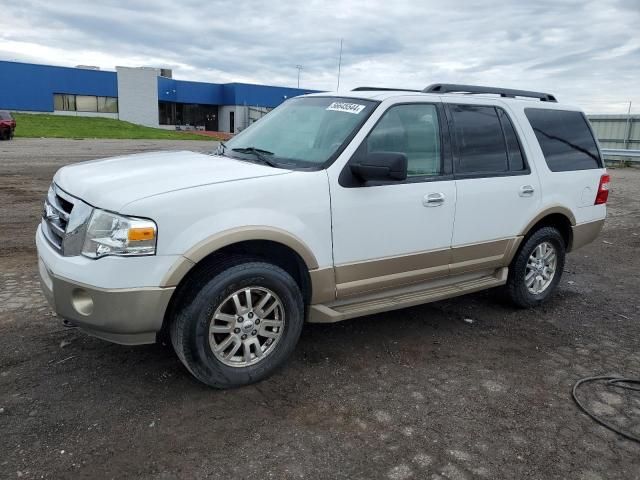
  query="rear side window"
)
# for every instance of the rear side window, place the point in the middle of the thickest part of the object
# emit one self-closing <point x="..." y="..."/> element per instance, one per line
<point x="565" y="139"/>
<point x="516" y="157"/>
<point x="479" y="139"/>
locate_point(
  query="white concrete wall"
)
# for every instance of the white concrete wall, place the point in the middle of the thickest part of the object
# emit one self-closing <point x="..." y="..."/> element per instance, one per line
<point x="241" y="118"/>
<point x="223" y="117"/>
<point x="138" y="95"/>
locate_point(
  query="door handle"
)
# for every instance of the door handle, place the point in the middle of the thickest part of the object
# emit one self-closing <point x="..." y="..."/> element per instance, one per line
<point x="526" y="191"/>
<point x="433" y="199"/>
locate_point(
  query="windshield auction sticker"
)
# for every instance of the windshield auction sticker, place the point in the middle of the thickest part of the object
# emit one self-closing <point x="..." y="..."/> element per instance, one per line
<point x="346" y="107"/>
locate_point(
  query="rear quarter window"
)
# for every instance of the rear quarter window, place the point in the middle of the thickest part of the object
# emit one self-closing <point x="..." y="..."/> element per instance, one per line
<point x="565" y="138"/>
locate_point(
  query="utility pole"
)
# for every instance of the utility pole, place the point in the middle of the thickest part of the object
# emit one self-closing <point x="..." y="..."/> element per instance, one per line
<point x="299" y="67"/>
<point x="339" y="66"/>
<point x="627" y="137"/>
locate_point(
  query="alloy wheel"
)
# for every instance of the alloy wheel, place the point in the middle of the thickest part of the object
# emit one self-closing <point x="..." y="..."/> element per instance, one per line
<point x="541" y="268"/>
<point x="246" y="326"/>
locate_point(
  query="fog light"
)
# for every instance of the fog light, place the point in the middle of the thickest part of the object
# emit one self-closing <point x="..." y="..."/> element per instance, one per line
<point x="82" y="302"/>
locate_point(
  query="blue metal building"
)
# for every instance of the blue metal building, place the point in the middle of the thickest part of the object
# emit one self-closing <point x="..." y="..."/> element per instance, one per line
<point x="146" y="96"/>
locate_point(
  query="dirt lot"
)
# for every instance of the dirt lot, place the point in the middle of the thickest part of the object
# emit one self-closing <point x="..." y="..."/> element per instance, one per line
<point x="419" y="393"/>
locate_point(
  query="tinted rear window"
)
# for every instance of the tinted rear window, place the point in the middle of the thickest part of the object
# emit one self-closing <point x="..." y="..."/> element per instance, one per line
<point x="5" y="116"/>
<point x="479" y="138"/>
<point x="565" y="139"/>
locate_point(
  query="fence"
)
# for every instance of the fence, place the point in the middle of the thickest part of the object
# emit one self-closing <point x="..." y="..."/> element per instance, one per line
<point x="619" y="136"/>
<point x="621" y="155"/>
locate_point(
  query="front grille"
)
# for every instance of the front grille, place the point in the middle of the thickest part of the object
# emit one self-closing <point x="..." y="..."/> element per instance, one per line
<point x="55" y="216"/>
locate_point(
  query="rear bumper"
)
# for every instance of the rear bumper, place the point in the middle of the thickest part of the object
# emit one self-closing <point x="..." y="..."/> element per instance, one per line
<point x="585" y="233"/>
<point x="128" y="316"/>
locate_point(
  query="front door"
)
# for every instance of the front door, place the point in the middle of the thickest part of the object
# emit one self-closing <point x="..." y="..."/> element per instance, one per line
<point x="391" y="235"/>
<point x="211" y="120"/>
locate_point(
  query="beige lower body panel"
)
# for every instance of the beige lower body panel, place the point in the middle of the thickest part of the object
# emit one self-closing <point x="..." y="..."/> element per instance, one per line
<point x="385" y="274"/>
<point x="585" y="233"/>
<point x="482" y="256"/>
<point x="126" y="316"/>
<point x="407" y="296"/>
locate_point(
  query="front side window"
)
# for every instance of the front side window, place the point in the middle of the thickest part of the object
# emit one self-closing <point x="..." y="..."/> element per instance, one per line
<point x="302" y="132"/>
<point x="412" y="130"/>
<point x="565" y="139"/>
<point x="479" y="139"/>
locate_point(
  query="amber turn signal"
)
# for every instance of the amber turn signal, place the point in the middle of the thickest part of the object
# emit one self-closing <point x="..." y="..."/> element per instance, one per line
<point x="137" y="234"/>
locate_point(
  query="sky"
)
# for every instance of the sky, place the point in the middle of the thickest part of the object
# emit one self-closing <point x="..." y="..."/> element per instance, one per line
<point x="587" y="53"/>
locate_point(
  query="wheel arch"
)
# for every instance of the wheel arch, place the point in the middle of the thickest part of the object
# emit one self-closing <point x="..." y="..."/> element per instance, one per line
<point x="269" y="244"/>
<point x="558" y="217"/>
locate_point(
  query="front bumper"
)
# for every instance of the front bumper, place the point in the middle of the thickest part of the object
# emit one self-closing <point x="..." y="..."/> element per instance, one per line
<point x="128" y="316"/>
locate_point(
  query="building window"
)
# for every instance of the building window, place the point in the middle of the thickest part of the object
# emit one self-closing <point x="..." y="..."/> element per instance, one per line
<point x="84" y="103"/>
<point x="64" y="102"/>
<point x="192" y="114"/>
<point x="108" y="104"/>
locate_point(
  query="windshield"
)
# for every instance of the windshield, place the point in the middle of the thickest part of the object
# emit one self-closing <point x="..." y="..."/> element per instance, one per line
<point x="302" y="132"/>
<point x="5" y="116"/>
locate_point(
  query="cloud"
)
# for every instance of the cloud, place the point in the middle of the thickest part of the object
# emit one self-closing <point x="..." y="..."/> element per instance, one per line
<point x="585" y="52"/>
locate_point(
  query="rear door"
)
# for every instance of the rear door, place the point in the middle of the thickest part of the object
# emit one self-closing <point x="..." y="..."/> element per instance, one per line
<point x="498" y="190"/>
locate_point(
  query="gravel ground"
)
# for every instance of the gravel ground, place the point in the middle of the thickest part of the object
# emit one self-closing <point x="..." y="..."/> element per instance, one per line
<point x="459" y="389"/>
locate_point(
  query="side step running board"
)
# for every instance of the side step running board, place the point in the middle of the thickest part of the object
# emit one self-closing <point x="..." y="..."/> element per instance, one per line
<point x="338" y="312"/>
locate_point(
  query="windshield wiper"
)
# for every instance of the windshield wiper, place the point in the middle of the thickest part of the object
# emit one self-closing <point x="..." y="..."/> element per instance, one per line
<point x="259" y="154"/>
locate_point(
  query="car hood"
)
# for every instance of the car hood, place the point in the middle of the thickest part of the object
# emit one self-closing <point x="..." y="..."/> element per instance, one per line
<point x="112" y="183"/>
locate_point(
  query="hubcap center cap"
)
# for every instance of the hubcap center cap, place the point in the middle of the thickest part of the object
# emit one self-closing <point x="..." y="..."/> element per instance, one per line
<point x="247" y="325"/>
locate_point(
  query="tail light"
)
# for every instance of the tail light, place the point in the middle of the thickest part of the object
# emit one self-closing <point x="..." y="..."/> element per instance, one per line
<point x="603" y="190"/>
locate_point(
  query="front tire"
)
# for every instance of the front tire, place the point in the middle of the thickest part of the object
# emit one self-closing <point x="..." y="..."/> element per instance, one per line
<point x="238" y="322"/>
<point x="537" y="268"/>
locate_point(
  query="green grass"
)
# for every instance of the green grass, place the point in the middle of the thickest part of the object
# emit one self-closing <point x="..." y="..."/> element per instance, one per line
<point x="62" y="126"/>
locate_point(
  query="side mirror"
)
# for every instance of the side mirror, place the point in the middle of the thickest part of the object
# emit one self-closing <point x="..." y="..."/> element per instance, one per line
<point x="381" y="166"/>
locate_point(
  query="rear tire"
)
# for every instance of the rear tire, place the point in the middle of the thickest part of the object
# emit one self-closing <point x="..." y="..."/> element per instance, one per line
<point x="537" y="268"/>
<point x="227" y="337"/>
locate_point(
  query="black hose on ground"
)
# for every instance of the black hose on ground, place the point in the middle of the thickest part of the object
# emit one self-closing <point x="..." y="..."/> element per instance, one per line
<point x="618" y="382"/>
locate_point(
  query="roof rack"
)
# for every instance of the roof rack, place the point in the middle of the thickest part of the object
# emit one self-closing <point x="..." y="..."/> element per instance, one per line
<point x="384" y="89"/>
<point x="503" y="92"/>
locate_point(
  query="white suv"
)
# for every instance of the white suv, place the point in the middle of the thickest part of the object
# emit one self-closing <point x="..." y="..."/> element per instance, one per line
<point x="330" y="207"/>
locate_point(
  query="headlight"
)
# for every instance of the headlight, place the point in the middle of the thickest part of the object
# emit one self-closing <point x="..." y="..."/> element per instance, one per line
<point x="112" y="234"/>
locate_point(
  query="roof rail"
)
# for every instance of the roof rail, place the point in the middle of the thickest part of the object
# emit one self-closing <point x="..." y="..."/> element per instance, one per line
<point x="383" y="89"/>
<point x="503" y="92"/>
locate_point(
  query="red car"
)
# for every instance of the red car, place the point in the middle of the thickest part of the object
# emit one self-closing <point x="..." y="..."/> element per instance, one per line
<point x="7" y="125"/>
